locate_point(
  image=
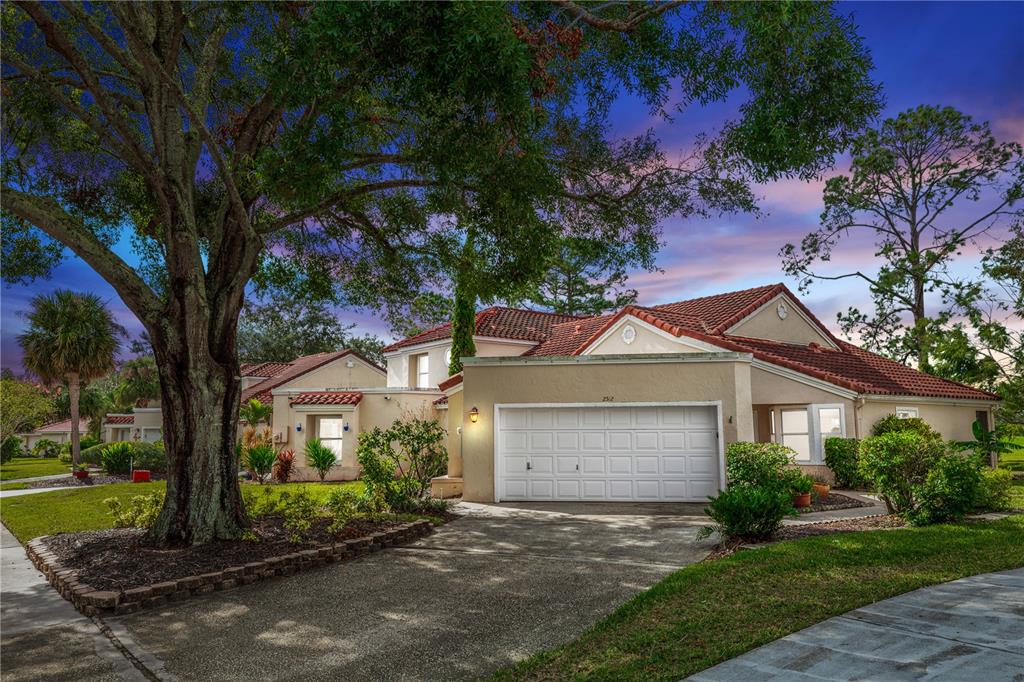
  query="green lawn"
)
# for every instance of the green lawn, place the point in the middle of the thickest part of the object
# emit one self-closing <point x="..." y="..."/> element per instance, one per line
<point x="1014" y="459"/>
<point x="77" y="509"/>
<point x="709" y="612"/>
<point x="27" y="467"/>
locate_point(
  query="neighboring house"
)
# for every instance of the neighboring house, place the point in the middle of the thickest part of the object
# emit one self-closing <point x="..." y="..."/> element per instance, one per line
<point x="58" y="432"/>
<point x="145" y="423"/>
<point x="640" y="404"/>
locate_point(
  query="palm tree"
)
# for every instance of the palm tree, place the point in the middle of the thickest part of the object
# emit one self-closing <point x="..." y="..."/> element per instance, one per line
<point x="254" y="412"/>
<point x="70" y="337"/>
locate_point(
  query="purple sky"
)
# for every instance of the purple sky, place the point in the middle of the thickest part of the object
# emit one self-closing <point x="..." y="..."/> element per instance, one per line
<point x="966" y="55"/>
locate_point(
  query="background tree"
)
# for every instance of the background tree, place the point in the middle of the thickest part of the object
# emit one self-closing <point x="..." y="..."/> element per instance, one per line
<point x="225" y="137"/>
<point x="283" y="328"/>
<point x="138" y="382"/>
<point x="909" y="187"/>
<point x="23" y="407"/>
<point x="254" y="412"/>
<point x="70" y="337"/>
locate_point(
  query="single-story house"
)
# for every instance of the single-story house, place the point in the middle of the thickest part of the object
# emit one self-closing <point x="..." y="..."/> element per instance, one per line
<point x="59" y="432"/>
<point x="640" y="404"/>
<point x="145" y="423"/>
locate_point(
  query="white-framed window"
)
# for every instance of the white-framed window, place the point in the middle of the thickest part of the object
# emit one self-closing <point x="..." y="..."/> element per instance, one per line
<point x="796" y="432"/>
<point x="805" y="429"/>
<point x="330" y="431"/>
<point x="906" y="413"/>
<point x="423" y="371"/>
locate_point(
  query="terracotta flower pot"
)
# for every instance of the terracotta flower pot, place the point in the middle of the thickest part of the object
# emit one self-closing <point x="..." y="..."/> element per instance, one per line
<point x="140" y="476"/>
<point x="801" y="500"/>
<point x="822" y="489"/>
<point x="81" y="474"/>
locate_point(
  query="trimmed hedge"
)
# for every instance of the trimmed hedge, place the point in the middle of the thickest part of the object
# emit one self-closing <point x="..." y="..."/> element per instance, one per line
<point x="145" y="455"/>
<point x="841" y="456"/>
<point x="893" y="424"/>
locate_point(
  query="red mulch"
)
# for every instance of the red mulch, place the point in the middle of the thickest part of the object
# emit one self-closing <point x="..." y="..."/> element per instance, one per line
<point x="116" y="560"/>
<point x="834" y="501"/>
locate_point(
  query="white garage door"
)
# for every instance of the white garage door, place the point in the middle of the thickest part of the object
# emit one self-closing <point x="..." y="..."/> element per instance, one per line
<point x="661" y="452"/>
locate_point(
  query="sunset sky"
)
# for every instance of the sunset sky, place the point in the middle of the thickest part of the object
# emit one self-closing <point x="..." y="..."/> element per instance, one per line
<point x="966" y="55"/>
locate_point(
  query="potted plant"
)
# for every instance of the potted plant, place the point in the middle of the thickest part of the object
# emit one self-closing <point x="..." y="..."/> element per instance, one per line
<point x="800" y="487"/>
<point x="820" y="488"/>
<point x="80" y="471"/>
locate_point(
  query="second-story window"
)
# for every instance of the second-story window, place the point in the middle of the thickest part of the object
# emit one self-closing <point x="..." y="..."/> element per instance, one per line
<point x="423" y="371"/>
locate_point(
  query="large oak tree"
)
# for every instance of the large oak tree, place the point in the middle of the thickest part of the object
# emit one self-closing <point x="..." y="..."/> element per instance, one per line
<point x="330" y="141"/>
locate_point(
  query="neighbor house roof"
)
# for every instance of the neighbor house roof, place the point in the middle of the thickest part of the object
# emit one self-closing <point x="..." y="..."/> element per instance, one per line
<point x="496" y="322"/>
<point x="708" y="318"/>
<point x="293" y="370"/>
<point x="63" y="426"/>
<point x="263" y="369"/>
<point x="327" y="398"/>
<point x="119" y="419"/>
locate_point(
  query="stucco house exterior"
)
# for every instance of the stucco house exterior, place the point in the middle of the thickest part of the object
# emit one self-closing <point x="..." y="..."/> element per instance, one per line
<point x="640" y="404"/>
<point x="59" y="432"/>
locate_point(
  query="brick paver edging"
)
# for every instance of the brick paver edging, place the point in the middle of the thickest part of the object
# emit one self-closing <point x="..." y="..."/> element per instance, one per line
<point x="93" y="602"/>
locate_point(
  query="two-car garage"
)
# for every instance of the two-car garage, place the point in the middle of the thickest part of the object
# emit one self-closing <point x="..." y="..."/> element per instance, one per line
<point x="608" y="452"/>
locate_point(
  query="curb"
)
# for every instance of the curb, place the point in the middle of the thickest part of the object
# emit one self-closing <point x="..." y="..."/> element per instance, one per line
<point x="92" y="602"/>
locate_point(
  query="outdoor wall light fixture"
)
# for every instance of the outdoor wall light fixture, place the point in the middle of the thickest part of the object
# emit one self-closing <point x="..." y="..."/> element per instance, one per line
<point x="298" y="428"/>
<point x="474" y="414"/>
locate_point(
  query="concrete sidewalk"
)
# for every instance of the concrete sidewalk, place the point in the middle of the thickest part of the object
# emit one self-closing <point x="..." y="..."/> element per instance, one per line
<point x="968" y="629"/>
<point x="43" y="636"/>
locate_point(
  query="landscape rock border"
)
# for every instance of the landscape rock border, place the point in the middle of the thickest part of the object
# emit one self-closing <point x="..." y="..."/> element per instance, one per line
<point x="93" y="602"/>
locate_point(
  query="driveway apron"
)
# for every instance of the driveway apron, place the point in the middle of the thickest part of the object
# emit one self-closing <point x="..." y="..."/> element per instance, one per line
<point x="484" y="591"/>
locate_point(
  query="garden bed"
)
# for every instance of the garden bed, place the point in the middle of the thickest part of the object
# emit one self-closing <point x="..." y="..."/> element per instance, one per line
<point x="71" y="482"/>
<point x="109" y="571"/>
<point x="834" y="501"/>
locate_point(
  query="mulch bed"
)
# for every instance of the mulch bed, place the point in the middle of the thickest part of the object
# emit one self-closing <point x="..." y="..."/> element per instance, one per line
<point x="808" y="530"/>
<point x="116" y="560"/>
<point x="70" y="481"/>
<point x="834" y="501"/>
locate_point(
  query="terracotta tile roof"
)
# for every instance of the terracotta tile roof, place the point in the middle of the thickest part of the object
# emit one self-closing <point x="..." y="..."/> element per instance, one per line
<point x="119" y="419"/>
<point x="263" y="369"/>
<point x="295" y="369"/>
<point x="443" y="400"/>
<point x="497" y="322"/>
<point x="327" y="398"/>
<point x="63" y="426"/>
<point x="707" y="319"/>
<point x="453" y="380"/>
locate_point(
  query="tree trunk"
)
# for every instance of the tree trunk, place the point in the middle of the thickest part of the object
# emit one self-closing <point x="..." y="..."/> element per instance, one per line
<point x="200" y="389"/>
<point x="73" y="393"/>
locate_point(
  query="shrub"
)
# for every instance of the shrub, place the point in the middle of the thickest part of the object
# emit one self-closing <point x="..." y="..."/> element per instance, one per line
<point x="401" y="476"/>
<point x="994" y="490"/>
<point x="259" y="460"/>
<point x="264" y="502"/>
<point x="756" y="464"/>
<point x="342" y="504"/>
<point x="65" y="458"/>
<point x="949" y="491"/>
<point x="797" y="482"/>
<point x="150" y="456"/>
<point x="897" y="462"/>
<point x="320" y="457"/>
<point x="94" y="455"/>
<point x="141" y="511"/>
<point x="46" y="448"/>
<point x="284" y="465"/>
<point x="893" y="424"/>
<point x="298" y="510"/>
<point x="117" y="458"/>
<point x="748" y="512"/>
<point x="9" y="449"/>
<point x="841" y="455"/>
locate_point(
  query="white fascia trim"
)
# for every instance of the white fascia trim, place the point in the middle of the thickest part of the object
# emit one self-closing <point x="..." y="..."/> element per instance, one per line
<point x="457" y="388"/>
<point x="903" y="400"/>
<point x="146" y="409"/>
<point x="802" y="378"/>
<point x="629" y="318"/>
<point x="332" y="409"/>
<point x="447" y="341"/>
<point x="793" y="308"/>
<point x="372" y="389"/>
<point x="442" y="406"/>
<point x="639" y="359"/>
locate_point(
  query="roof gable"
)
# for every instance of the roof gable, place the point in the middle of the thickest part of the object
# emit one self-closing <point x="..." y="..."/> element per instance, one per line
<point x="495" y="322"/>
<point x="297" y="368"/>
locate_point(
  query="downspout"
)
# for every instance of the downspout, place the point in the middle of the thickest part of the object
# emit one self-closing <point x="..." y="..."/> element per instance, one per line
<point x="857" y="405"/>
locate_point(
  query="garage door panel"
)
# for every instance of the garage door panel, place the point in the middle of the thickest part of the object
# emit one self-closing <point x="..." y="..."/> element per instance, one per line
<point x="609" y="453"/>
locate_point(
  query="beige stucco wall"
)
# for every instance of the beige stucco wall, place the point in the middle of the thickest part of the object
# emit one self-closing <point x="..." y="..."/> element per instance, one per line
<point x="336" y="375"/>
<point x="456" y="416"/>
<point x="952" y="420"/>
<point x="401" y="369"/>
<point x="771" y="392"/>
<point x="585" y="382"/>
<point x="646" y="341"/>
<point x="58" y="437"/>
<point x="764" y="323"/>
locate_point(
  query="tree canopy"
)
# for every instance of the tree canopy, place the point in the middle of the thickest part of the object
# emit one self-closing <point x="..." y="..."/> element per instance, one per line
<point x="345" y="147"/>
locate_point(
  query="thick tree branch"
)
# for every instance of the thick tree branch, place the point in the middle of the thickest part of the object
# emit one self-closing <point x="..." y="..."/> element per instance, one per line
<point x="632" y="20"/>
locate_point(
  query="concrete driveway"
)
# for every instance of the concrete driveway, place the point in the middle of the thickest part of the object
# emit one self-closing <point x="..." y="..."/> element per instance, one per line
<point x="484" y="591"/>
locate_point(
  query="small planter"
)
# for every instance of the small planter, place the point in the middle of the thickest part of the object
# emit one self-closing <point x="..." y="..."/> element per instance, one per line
<point x="81" y="474"/>
<point x="140" y="476"/>
<point x="801" y="500"/>
<point x="821" y="489"/>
